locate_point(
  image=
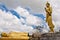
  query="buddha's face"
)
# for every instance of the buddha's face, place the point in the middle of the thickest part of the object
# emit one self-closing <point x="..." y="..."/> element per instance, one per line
<point x="47" y="5"/>
<point x="3" y="34"/>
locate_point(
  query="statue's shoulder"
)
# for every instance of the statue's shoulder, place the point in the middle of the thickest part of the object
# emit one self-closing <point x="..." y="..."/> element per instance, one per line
<point x="51" y="7"/>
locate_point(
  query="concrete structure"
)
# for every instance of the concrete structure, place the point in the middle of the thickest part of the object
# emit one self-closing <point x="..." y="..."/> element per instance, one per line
<point x="47" y="36"/>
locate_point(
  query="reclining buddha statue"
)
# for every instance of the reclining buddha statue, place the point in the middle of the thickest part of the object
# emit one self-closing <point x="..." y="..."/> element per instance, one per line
<point x="20" y="35"/>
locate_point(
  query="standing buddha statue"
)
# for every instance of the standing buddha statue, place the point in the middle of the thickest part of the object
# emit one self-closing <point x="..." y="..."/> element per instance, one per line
<point x="48" y="10"/>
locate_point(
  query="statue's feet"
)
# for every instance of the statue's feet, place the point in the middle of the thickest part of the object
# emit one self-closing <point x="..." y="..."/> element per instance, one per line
<point x="51" y="31"/>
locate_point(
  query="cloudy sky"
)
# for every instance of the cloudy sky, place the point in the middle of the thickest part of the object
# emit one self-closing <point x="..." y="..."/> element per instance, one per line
<point x="10" y="22"/>
<point x="36" y="5"/>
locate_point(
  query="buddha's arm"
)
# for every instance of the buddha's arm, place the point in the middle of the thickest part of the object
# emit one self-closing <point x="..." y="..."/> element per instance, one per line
<point x="49" y="11"/>
<point x="46" y="10"/>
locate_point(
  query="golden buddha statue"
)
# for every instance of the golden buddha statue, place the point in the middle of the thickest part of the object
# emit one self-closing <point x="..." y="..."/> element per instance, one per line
<point x="19" y="35"/>
<point x="48" y="10"/>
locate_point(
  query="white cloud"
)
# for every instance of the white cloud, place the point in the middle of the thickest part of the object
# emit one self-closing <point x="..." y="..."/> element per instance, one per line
<point x="33" y="20"/>
<point x="30" y="19"/>
<point x="22" y="20"/>
<point x="23" y="12"/>
<point x="9" y="22"/>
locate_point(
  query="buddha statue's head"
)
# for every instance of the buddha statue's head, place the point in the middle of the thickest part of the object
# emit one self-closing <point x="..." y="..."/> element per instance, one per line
<point x="3" y="34"/>
<point x="47" y="4"/>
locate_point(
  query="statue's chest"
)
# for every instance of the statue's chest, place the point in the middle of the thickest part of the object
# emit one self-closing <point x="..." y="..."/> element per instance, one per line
<point x="48" y="9"/>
